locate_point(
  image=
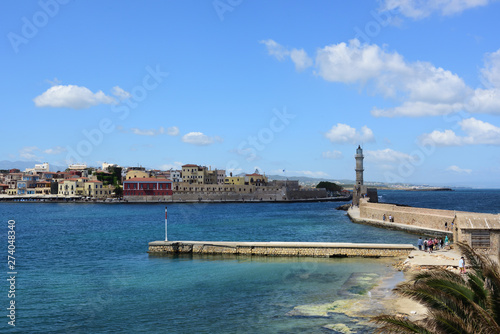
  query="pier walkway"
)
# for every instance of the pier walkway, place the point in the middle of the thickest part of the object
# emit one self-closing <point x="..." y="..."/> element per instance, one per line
<point x="299" y="249"/>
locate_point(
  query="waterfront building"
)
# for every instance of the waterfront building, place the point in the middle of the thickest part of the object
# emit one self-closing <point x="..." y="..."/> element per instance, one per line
<point x="195" y="174"/>
<point x="95" y="189"/>
<point x="136" y="174"/>
<point x="147" y="187"/>
<point x="40" y="168"/>
<point x="221" y="176"/>
<point x="238" y="180"/>
<point x="256" y="179"/>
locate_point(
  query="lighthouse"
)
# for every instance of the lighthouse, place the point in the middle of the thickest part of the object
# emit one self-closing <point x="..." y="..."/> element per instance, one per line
<point x="360" y="190"/>
<point x="359" y="166"/>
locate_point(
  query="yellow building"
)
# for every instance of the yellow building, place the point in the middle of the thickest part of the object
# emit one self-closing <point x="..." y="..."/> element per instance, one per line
<point x="238" y="180"/>
<point x="95" y="189"/>
<point x="70" y="187"/>
<point x="132" y="174"/>
<point x="255" y="179"/>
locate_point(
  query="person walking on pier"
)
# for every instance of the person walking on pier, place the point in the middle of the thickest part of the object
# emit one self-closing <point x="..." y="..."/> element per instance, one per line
<point x="420" y="243"/>
<point x="461" y="265"/>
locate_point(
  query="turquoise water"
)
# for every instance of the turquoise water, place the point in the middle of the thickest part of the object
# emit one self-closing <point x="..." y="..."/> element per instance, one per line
<point x="83" y="268"/>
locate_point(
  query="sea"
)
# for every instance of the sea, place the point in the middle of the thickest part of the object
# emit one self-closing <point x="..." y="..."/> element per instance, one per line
<point x="84" y="268"/>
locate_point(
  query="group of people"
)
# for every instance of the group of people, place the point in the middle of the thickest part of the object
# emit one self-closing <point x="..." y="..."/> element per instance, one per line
<point x="429" y="244"/>
<point x="391" y="218"/>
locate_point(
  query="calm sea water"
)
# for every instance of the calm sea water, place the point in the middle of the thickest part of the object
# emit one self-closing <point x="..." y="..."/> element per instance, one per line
<point x="83" y="268"/>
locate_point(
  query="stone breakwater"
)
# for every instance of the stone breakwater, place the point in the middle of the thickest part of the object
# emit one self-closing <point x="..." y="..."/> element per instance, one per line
<point x="297" y="249"/>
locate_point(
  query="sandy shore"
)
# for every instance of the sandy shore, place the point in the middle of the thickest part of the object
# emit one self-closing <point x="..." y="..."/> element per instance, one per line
<point x="419" y="260"/>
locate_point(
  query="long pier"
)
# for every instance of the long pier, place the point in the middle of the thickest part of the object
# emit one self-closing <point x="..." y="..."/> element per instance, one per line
<point x="297" y="249"/>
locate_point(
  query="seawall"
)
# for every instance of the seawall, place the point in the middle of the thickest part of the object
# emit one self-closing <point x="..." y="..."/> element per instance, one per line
<point x="297" y="249"/>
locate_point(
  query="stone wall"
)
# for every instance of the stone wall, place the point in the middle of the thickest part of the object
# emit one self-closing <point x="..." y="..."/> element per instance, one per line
<point x="341" y="251"/>
<point x="419" y="217"/>
<point x="306" y="193"/>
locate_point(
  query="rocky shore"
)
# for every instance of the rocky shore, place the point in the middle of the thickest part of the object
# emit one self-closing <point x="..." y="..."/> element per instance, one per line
<point x="368" y="295"/>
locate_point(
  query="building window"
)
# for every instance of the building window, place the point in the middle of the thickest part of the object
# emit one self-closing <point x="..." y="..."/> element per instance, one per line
<point x="480" y="239"/>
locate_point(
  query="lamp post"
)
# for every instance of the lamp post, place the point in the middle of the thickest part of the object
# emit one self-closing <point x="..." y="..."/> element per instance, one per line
<point x="166" y="239"/>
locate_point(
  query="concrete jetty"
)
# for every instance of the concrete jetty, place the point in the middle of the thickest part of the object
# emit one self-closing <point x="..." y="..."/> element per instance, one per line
<point x="298" y="249"/>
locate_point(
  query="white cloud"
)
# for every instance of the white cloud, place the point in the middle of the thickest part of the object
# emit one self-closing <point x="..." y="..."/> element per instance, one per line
<point x="172" y="131"/>
<point x="417" y="109"/>
<point x="198" y="138"/>
<point x="477" y="133"/>
<point x="275" y="49"/>
<point x="332" y="155"/>
<point x="176" y="165"/>
<point x="459" y="170"/>
<point x="485" y="101"/>
<point x="418" y="9"/>
<point x="491" y="71"/>
<point x="317" y="174"/>
<point x="55" y="150"/>
<point x="54" y="82"/>
<point x="442" y="138"/>
<point x="420" y="88"/>
<point x="386" y="156"/>
<point x="120" y="93"/>
<point x="424" y="88"/>
<point x="480" y="132"/>
<point x="148" y="132"/>
<point x="343" y="133"/>
<point x="71" y="96"/>
<point x="28" y="153"/>
<point x="299" y="57"/>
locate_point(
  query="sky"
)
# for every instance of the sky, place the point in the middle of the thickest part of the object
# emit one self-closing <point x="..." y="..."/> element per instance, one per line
<point x="286" y="87"/>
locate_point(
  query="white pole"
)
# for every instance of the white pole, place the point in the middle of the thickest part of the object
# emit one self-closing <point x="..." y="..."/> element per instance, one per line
<point x="166" y="239"/>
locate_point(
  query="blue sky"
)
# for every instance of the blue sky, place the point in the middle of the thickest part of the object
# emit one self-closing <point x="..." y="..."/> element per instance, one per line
<point x="273" y="85"/>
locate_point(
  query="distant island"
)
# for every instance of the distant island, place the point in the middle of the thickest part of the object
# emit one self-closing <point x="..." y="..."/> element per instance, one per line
<point x="430" y="189"/>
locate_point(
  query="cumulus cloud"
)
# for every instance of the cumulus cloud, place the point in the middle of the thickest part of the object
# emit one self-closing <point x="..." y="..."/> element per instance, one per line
<point x="55" y="150"/>
<point x="198" y="138"/>
<point x="332" y="155"/>
<point x="343" y="133"/>
<point x="477" y="133"/>
<point x="120" y="93"/>
<point x="74" y="97"/>
<point x="299" y="57"/>
<point x="28" y="153"/>
<point x="148" y="132"/>
<point x="487" y="100"/>
<point x="386" y="156"/>
<point x="419" y="88"/>
<point x="172" y="131"/>
<point x="426" y="89"/>
<point x="459" y="170"/>
<point x="418" y="9"/>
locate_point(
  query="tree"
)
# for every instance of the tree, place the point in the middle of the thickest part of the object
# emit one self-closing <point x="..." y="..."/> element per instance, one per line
<point x="456" y="303"/>
<point x="329" y="186"/>
<point x="118" y="191"/>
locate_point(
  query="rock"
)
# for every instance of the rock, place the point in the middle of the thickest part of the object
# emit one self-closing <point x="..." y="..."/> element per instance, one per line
<point x="344" y="207"/>
<point x="341" y="328"/>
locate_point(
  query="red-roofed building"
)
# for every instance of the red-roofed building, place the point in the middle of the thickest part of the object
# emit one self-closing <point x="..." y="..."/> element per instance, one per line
<point x="147" y="187"/>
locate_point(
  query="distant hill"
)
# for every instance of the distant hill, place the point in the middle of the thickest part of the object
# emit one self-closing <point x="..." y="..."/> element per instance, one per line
<point x="22" y="165"/>
<point x="308" y="180"/>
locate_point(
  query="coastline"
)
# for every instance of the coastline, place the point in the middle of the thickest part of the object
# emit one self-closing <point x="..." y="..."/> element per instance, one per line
<point x="79" y="201"/>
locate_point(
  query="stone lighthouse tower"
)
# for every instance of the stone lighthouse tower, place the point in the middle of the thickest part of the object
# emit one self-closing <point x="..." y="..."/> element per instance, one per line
<point x="359" y="166"/>
<point x="360" y="190"/>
